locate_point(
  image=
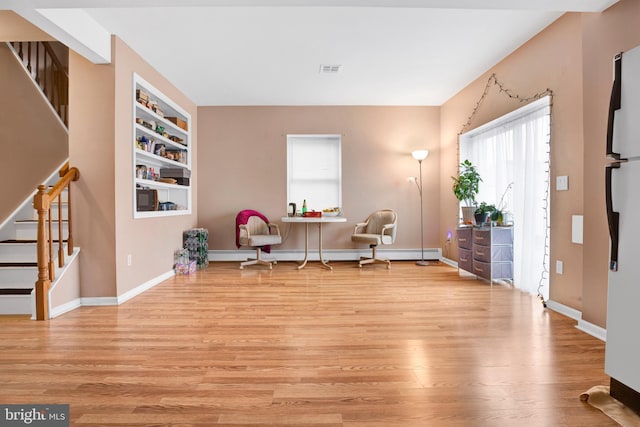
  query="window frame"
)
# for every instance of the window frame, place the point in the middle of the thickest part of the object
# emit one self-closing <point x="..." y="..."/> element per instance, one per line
<point x="292" y="196"/>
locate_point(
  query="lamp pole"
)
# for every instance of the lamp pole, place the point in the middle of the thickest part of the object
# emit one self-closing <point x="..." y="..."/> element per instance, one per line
<point x="420" y="155"/>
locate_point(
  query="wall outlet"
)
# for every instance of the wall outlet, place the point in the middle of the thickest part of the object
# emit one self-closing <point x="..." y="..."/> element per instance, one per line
<point x="559" y="267"/>
<point x="129" y="260"/>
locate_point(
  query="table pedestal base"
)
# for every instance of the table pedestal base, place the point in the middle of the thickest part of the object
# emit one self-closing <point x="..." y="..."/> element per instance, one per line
<point x="306" y="247"/>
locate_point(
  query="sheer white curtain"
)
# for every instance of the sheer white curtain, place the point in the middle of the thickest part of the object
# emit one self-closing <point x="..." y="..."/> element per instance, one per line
<point x="512" y="157"/>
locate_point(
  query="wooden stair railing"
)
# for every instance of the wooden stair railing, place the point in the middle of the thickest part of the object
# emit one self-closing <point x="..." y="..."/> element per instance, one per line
<point x="42" y="202"/>
<point x="48" y="72"/>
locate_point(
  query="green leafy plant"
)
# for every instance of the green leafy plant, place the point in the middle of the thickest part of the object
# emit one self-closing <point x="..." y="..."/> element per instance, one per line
<point x="467" y="184"/>
<point x="484" y="208"/>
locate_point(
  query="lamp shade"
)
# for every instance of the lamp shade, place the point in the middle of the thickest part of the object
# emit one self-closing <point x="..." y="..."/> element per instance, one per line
<point x="420" y="154"/>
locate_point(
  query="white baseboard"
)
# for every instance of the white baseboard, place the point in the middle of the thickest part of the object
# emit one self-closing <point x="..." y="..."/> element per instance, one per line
<point x="564" y="310"/>
<point x="430" y="254"/>
<point x="593" y="330"/>
<point x="65" y="308"/>
<point x="105" y="301"/>
<point x="450" y="262"/>
<point x="98" y="301"/>
<point x="587" y="327"/>
<point x="144" y="287"/>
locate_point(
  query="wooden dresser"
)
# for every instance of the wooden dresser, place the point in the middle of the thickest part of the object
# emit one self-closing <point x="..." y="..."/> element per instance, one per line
<point x="486" y="252"/>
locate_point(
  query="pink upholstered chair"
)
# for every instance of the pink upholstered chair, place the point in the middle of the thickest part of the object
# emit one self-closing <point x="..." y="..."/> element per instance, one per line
<point x="254" y="230"/>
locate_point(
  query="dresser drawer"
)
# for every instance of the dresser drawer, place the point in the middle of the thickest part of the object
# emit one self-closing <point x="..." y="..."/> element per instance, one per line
<point x="465" y="260"/>
<point x="502" y="270"/>
<point x="465" y="237"/>
<point x="492" y="253"/>
<point x="482" y="269"/>
<point x="482" y="253"/>
<point x="502" y="235"/>
<point x="502" y="253"/>
<point x="482" y="236"/>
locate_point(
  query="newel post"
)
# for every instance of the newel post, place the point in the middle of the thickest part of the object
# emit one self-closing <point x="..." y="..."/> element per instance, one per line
<point x="40" y="203"/>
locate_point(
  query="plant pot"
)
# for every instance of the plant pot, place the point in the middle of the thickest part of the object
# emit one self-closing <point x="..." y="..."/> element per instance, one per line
<point x="467" y="214"/>
<point x="481" y="218"/>
<point x="496" y="217"/>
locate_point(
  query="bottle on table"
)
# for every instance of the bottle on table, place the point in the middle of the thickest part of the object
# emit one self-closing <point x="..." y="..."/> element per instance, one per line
<point x="304" y="206"/>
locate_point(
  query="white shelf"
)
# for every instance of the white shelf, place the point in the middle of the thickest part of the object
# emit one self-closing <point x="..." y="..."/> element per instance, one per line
<point x="155" y="214"/>
<point x="158" y="184"/>
<point x="154" y="160"/>
<point x="145" y="113"/>
<point x="156" y="136"/>
<point x="180" y="195"/>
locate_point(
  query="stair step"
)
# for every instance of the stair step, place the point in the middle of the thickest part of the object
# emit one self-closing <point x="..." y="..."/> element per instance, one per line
<point x="28" y="229"/>
<point x="16" y="291"/>
<point x="26" y="241"/>
<point x="21" y="221"/>
<point x="18" y="264"/>
<point x="15" y="304"/>
<point x="21" y="275"/>
<point x="24" y="250"/>
<point x="33" y="215"/>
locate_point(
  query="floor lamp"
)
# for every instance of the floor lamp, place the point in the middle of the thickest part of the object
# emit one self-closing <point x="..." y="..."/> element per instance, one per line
<point x="420" y="155"/>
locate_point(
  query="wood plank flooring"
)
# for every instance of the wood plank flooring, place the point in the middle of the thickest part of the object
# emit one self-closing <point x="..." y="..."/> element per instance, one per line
<point x="410" y="346"/>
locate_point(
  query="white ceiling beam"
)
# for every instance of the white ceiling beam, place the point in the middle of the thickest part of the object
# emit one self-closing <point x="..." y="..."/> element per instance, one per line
<point x="72" y="27"/>
<point x="538" y="5"/>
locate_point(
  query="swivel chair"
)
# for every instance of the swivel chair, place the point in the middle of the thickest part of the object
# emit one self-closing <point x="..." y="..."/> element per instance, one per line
<point x="379" y="229"/>
<point x="254" y="230"/>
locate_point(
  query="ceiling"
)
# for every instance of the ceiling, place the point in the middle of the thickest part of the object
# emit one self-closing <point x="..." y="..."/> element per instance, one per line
<point x="265" y="52"/>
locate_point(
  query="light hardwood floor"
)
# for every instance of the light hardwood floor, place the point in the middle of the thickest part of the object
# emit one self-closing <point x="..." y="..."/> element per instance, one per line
<point x="410" y="346"/>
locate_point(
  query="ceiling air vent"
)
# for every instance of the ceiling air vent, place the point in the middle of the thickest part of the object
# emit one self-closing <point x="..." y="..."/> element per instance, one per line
<point x="329" y="69"/>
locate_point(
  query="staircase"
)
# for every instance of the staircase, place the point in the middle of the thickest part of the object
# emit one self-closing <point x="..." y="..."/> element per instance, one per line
<point x="38" y="234"/>
<point x="47" y="64"/>
<point x="18" y="254"/>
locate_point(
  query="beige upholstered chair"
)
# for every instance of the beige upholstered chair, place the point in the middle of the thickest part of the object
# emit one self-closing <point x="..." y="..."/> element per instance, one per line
<point x="254" y="230"/>
<point x="379" y="229"/>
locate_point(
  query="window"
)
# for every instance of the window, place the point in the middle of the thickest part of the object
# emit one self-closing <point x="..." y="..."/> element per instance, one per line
<point x="512" y="156"/>
<point x="314" y="171"/>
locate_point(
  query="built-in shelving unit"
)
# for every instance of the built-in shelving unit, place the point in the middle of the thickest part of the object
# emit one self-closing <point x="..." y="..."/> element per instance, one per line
<point x="161" y="153"/>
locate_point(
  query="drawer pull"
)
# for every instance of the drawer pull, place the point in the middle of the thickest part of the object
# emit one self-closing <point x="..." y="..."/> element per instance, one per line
<point x="479" y="269"/>
<point x="479" y="237"/>
<point x="481" y="253"/>
<point x="462" y="239"/>
<point x="463" y="259"/>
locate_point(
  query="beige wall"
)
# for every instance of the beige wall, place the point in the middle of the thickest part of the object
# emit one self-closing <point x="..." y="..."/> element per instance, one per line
<point x="243" y="154"/>
<point x="550" y="60"/>
<point x="242" y="165"/>
<point x="91" y="150"/>
<point x="572" y="57"/>
<point x="32" y="153"/>
<point x="15" y="28"/>
<point x="101" y="144"/>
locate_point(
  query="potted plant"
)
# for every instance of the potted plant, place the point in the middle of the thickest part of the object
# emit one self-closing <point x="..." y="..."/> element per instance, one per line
<point x="465" y="187"/>
<point x="482" y="213"/>
<point x="498" y="215"/>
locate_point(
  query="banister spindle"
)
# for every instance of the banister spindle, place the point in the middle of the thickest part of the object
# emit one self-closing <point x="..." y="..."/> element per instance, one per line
<point x="60" y="240"/>
<point x="52" y="274"/>
<point x="40" y="202"/>
<point x="69" y="222"/>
